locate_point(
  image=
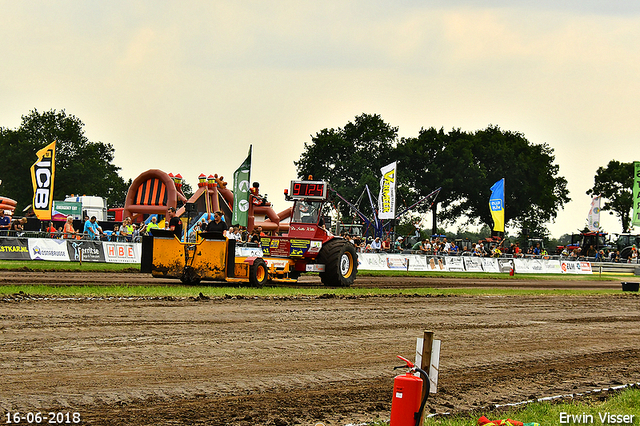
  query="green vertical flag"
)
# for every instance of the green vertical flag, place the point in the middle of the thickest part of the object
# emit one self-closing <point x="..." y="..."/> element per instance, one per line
<point x="635" y="219"/>
<point x="241" y="192"/>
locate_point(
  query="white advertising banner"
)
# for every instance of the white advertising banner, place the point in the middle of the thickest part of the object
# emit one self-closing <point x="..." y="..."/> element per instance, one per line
<point x="473" y="264"/>
<point x="416" y="262"/>
<point x="505" y="265"/>
<point x="575" y="267"/>
<point x="537" y="266"/>
<point x="371" y="262"/>
<point x="48" y="249"/>
<point x="121" y="252"/>
<point x="552" y="266"/>
<point x="521" y="265"/>
<point x="454" y="263"/>
<point x="396" y="261"/>
<point x="436" y="264"/>
<point x="490" y="264"/>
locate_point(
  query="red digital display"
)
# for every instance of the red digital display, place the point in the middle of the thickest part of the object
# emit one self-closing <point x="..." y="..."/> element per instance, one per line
<point x="307" y="189"/>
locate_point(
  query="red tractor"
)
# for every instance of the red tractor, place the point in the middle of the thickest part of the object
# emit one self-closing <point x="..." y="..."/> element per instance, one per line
<point x="307" y="247"/>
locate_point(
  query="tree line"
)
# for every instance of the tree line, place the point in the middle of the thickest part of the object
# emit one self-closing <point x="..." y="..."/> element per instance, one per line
<point x="82" y="167"/>
<point x="464" y="164"/>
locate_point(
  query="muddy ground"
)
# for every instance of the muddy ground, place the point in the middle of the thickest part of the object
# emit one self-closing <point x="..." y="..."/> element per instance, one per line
<point x="303" y="360"/>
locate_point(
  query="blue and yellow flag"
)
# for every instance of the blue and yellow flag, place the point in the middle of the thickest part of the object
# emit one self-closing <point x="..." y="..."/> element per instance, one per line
<point x="496" y="204"/>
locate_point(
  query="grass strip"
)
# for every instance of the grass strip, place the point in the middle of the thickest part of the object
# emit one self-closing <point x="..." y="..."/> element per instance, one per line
<point x="592" y="409"/>
<point x="279" y="292"/>
<point x="43" y="265"/>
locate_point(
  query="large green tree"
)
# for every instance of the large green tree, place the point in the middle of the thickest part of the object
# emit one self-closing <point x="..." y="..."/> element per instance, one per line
<point x="465" y="165"/>
<point x="351" y="157"/>
<point x="82" y="167"/>
<point x="615" y="184"/>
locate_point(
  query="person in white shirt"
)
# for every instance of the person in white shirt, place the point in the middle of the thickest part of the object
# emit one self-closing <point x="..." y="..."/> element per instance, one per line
<point x="231" y="233"/>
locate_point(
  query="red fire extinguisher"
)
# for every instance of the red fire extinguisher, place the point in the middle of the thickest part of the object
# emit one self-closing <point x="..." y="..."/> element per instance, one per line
<point x="406" y="405"/>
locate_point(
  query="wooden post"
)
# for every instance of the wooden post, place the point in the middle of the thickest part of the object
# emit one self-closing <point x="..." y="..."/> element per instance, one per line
<point x="425" y="363"/>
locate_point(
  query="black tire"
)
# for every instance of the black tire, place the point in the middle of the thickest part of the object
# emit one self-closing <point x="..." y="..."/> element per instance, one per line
<point x="340" y="263"/>
<point x="625" y="253"/>
<point x="258" y="273"/>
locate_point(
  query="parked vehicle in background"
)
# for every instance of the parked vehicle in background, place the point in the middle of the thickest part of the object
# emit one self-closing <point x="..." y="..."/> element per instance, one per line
<point x="91" y="206"/>
<point x="584" y="240"/>
<point x="625" y="242"/>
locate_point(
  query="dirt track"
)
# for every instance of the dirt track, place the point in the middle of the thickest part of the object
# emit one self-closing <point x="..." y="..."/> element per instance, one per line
<point x="303" y="360"/>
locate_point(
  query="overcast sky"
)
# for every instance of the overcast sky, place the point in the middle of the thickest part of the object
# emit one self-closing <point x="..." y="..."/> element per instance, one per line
<point x="186" y="87"/>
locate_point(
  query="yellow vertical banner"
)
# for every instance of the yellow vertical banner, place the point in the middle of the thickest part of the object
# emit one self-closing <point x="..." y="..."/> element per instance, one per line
<point x="42" y="175"/>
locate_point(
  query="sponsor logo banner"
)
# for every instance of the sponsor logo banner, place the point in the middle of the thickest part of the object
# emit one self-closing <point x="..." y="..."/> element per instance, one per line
<point x="87" y="251"/>
<point x="14" y="248"/>
<point x="48" y="249"/>
<point x="248" y="251"/>
<point x="121" y="252"/>
<point x="575" y="267"/>
<point x="437" y="264"/>
<point x="473" y="264"/>
<point x="490" y="264"/>
<point x="454" y="263"/>
<point x="396" y="262"/>
<point x="505" y="265"/>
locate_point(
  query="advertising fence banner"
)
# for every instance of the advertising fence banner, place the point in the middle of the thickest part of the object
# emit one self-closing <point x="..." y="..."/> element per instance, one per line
<point x="48" y="249"/>
<point x="121" y="252"/>
<point x="418" y="262"/>
<point x="454" y="263"/>
<point x="85" y="250"/>
<point x="112" y="252"/>
<point x="473" y="264"/>
<point x="69" y="250"/>
<point x="14" y="248"/>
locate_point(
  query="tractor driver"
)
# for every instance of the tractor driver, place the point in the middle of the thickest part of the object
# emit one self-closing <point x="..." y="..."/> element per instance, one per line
<point x="256" y="198"/>
<point x="174" y="223"/>
<point x="308" y="212"/>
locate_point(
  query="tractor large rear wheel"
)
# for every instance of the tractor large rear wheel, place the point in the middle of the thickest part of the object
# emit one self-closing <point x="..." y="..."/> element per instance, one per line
<point x="340" y="263"/>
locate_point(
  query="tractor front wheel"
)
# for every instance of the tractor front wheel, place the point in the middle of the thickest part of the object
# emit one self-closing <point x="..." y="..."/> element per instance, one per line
<point x="340" y="263"/>
<point x="258" y="274"/>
